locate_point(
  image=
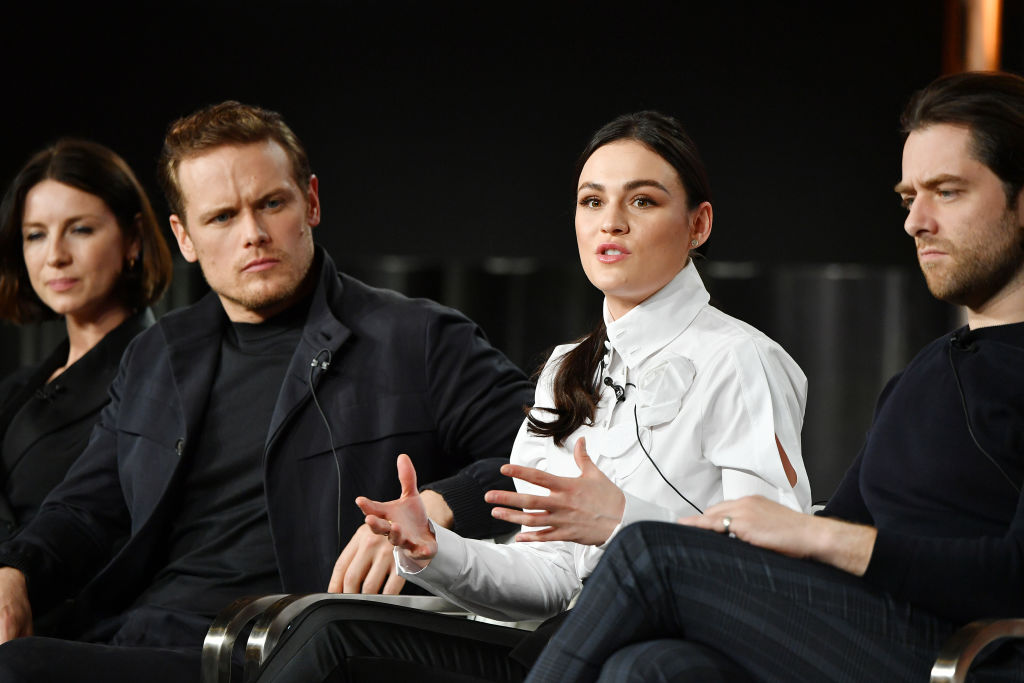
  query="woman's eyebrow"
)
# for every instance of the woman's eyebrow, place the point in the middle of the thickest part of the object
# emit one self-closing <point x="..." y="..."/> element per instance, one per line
<point x="631" y="185"/>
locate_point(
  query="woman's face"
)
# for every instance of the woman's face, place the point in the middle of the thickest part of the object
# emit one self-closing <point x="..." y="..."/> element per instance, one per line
<point x="633" y="227"/>
<point x="74" y="250"/>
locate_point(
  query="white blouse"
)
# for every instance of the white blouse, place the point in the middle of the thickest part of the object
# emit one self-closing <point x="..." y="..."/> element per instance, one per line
<point x="708" y="396"/>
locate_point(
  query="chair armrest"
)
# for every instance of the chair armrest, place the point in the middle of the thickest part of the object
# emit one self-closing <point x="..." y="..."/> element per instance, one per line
<point x="280" y="615"/>
<point x="225" y="629"/>
<point x="959" y="651"/>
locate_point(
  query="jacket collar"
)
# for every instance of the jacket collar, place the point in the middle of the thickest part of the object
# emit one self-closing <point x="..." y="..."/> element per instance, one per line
<point x="78" y="391"/>
<point x="322" y="337"/>
<point x="88" y="379"/>
<point x="653" y="323"/>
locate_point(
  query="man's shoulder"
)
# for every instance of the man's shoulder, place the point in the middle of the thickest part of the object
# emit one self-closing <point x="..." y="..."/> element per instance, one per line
<point x="186" y="322"/>
<point x="939" y="345"/>
<point x="359" y="303"/>
<point x="917" y="375"/>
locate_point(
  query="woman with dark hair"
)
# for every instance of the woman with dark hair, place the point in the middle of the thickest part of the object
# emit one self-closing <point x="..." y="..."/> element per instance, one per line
<point x="669" y="406"/>
<point x="78" y="240"/>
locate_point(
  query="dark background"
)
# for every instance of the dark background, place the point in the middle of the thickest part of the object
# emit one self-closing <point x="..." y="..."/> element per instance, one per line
<point x="452" y="129"/>
<point x="444" y="136"/>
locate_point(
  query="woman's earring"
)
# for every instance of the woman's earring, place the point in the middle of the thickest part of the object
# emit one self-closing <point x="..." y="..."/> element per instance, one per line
<point x="131" y="263"/>
<point x="694" y="243"/>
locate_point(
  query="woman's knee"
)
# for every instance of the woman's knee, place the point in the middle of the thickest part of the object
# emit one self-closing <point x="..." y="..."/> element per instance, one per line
<point x="669" y="659"/>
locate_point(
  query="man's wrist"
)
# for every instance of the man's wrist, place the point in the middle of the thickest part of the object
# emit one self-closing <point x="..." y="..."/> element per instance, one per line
<point x="845" y="545"/>
<point x="11" y="572"/>
<point x="437" y="508"/>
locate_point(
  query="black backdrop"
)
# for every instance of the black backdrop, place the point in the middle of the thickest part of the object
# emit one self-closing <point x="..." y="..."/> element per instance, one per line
<point x="451" y="128"/>
<point x="444" y="135"/>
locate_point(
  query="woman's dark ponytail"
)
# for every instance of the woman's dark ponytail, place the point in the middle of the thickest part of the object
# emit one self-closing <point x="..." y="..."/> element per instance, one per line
<point x="576" y="390"/>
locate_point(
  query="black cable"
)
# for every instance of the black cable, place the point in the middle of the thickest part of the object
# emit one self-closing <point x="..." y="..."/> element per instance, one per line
<point x="323" y="365"/>
<point x="967" y="418"/>
<point x="620" y="395"/>
<point x="636" y="421"/>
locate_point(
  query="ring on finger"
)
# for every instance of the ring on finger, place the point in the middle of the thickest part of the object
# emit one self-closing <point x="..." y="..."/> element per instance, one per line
<point x="726" y="524"/>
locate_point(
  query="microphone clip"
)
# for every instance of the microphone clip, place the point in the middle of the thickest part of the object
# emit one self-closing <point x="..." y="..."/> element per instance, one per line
<point x="620" y="392"/>
<point x="960" y="345"/>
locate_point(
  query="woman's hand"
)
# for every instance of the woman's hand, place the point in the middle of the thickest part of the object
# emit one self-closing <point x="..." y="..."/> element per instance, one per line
<point x="403" y="521"/>
<point x="585" y="509"/>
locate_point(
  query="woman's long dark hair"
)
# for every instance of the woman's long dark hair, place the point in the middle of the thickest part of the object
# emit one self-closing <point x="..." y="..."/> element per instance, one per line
<point x="576" y="387"/>
<point x="98" y="170"/>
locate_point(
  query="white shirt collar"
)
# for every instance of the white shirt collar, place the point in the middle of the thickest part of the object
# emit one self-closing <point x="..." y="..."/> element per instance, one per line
<point x="659" y="319"/>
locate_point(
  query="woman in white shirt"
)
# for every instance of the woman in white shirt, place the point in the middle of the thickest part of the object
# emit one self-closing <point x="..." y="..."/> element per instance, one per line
<point x="669" y="406"/>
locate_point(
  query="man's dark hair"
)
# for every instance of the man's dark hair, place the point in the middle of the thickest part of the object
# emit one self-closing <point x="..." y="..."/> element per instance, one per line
<point x="991" y="106"/>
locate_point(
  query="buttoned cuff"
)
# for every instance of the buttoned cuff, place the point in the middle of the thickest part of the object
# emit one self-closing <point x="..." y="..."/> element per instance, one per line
<point x="449" y="561"/>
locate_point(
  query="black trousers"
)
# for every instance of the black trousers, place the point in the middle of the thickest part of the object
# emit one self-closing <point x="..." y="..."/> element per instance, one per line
<point x="669" y="602"/>
<point x="51" y="660"/>
<point x="154" y="645"/>
<point x="370" y="641"/>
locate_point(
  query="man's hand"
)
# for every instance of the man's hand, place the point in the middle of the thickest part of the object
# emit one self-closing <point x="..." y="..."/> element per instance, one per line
<point x="585" y="509"/>
<point x="770" y="525"/>
<point x="366" y="565"/>
<point x="15" y="611"/>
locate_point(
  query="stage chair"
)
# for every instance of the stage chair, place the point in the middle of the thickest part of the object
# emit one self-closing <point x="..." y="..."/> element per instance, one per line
<point x="959" y="651"/>
<point x="272" y="616"/>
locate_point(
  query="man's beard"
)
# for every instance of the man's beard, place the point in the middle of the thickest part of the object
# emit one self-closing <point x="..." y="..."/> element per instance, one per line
<point x="262" y="296"/>
<point x="259" y="301"/>
<point x="979" y="269"/>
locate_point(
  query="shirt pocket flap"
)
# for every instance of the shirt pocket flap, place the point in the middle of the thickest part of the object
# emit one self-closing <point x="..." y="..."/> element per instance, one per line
<point x="369" y="421"/>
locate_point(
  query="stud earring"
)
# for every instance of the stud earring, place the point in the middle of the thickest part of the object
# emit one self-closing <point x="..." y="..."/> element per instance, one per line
<point x="694" y="243"/>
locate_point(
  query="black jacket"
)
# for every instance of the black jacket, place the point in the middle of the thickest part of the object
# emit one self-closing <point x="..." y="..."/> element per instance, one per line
<point x="403" y="376"/>
<point x="45" y="427"/>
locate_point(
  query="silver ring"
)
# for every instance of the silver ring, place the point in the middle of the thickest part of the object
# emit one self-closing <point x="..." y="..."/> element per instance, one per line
<point x="726" y="523"/>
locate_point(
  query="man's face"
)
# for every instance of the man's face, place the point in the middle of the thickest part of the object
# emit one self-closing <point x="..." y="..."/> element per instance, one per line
<point x="249" y="225"/>
<point x="969" y="242"/>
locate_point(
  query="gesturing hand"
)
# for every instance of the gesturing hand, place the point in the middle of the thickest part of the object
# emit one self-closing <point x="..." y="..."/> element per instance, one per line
<point x="585" y="509"/>
<point x="402" y="521"/>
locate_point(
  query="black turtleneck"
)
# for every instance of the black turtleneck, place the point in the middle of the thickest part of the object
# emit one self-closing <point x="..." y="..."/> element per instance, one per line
<point x="220" y="546"/>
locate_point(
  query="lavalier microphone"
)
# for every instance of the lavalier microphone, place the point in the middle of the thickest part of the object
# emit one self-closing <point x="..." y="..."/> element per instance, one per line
<point x="620" y="393"/>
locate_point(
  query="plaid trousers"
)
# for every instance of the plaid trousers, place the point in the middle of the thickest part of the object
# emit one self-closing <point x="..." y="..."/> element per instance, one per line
<point x="669" y="602"/>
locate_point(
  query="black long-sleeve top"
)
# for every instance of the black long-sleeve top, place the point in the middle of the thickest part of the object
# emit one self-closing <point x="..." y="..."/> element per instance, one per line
<point x="940" y="477"/>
